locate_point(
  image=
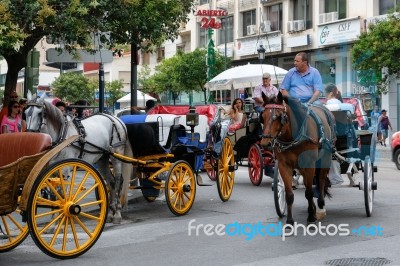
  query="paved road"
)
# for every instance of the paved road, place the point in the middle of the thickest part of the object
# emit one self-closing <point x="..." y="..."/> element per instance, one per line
<point x="151" y="235"/>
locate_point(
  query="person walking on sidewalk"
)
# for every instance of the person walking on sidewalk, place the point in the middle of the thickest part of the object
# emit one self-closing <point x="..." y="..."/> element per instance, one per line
<point x="384" y="124"/>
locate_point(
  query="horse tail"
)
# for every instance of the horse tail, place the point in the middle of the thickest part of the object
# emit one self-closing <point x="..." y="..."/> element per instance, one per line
<point x="126" y="174"/>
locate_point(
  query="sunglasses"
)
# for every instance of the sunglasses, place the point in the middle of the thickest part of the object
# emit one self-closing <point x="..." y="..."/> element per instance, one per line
<point x="15" y="106"/>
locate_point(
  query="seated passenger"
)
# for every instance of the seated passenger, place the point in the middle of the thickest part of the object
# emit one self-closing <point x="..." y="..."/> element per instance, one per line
<point x="332" y="94"/>
<point x="236" y="114"/>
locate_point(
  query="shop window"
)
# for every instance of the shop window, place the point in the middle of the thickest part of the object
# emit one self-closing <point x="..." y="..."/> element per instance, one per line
<point x="249" y="22"/>
<point x="335" y="6"/>
<point x="227" y="28"/>
<point x="388" y="6"/>
<point x="302" y="10"/>
<point x="274" y="16"/>
<point x="160" y="54"/>
<point x="202" y="36"/>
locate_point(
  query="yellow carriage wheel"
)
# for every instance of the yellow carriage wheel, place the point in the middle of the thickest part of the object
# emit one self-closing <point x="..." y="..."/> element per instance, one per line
<point x="13" y="231"/>
<point x="226" y="171"/>
<point x="180" y="188"/>
<point x="67" y="216"/>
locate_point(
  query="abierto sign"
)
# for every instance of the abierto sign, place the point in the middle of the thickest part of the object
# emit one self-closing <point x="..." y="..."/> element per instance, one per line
<point x="82" y="56"/>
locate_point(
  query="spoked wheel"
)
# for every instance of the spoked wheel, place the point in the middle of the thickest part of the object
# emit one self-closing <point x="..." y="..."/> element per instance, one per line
<point x="180" y="188"/>
<point x="68" y="219"/>
<point x="210" y="166"/>
<point x="279" y="192"/>
<point x="226" y="171"/>
<point x="255" y="164"/>
<point x="13" y="231"/>
<point x="369" y="185"/>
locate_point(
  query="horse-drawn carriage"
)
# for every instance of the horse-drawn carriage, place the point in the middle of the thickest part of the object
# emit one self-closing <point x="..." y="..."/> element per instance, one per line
<point x="65" y="216"/>
<point x="306" y="140"/>
<point x="180" y="142"/>
<point x="246" y="144"/>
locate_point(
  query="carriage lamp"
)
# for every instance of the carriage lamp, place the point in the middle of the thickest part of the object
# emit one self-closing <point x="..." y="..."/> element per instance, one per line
<point x="261" y="53"/>
<point x="192" y="118"/>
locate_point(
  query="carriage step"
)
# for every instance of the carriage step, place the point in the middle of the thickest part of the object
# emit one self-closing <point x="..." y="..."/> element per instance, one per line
<point x="201" y="183"/>
<point x="375" y="169"/>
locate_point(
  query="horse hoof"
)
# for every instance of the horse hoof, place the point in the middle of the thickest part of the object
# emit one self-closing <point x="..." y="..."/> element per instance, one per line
<point x="320" y="214"/>
<point x="117" y="220"/>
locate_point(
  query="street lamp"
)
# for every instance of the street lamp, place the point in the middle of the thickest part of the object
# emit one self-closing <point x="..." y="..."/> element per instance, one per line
<point x="261" y="53"/>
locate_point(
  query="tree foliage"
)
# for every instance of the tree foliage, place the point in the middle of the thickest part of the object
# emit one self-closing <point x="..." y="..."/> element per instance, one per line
<point x="142" y="22"/>
<point x="71" y="87"/>
<point x="184" y="72"/>
<point x="378" y="49"/>
<point x="114" y="90"/>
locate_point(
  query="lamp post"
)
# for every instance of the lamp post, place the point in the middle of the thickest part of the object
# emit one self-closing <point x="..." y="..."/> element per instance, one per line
<point x="261" y="53"/>
<point x="225" y="31"/>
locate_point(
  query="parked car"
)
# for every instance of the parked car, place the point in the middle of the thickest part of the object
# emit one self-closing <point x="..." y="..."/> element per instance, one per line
<point x="396" y="149"/>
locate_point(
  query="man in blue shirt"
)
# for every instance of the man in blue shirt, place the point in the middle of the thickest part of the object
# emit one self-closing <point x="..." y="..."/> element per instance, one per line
<point x="302" y="82"/>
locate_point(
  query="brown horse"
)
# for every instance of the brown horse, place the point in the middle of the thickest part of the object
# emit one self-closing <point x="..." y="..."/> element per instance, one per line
<point x="303" y="138"/>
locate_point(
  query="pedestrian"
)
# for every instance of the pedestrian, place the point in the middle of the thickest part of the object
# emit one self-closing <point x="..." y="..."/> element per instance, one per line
<point x="62" y="106"/>
<point x="22" y="107"/>
<point x="4" y="110"/>
<point x="12" y="122"/>
<point x="265" y="87"/>
<point x="303" y="81"/>
<point x="375" y="113"/>
<point x="384" y="124"/>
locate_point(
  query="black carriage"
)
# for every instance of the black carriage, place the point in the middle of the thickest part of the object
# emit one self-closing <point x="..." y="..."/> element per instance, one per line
<point x="172" y="145"/>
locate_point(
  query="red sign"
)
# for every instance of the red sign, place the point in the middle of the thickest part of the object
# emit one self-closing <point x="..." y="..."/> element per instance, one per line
<point x="212" y="13"/>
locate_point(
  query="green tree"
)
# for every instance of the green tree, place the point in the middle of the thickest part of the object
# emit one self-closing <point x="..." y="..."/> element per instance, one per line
<point x="378" y="49"/>
<point x="73" y="86"/>
<point x="23" y="24"/>
<point x="184" y="72"/>
<point x="114" y="90"/>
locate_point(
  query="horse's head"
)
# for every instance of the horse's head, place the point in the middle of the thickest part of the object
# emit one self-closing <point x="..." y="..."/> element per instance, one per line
<point x="35" y="117"/>
<point x="274" y="118"/>
<point x="44" y="117"/>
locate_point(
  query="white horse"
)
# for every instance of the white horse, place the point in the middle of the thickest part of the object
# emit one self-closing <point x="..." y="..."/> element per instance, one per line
<point x="100" y="130"/>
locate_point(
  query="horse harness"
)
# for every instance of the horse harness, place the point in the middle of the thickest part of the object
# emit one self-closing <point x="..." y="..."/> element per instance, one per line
<point x="82" y="134"/>
<point x="302" y="136"/>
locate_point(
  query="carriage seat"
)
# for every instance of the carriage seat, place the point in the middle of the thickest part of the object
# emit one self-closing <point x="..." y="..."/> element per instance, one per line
<point x="340" y="107"/>
<point x="210" y="111"/>
<point x="166" y="122"/>
<point x="16" y="145"/>
<point x="144" y="138"/>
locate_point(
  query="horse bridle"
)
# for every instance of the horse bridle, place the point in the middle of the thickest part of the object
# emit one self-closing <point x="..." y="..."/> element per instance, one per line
<point x="272" y="108"/>
<point x="42" y="116"/>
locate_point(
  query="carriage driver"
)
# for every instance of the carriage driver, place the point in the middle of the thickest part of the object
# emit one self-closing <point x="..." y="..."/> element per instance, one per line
<point x="268" y="89"/>
<point x="303" y="81"/>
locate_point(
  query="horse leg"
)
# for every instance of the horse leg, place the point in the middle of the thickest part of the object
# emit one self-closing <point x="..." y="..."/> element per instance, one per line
<point x="286" y="174"/>
<point x="117" y="165"/>
<point x="104" y="170"/>
<point x="322" y="178"/>
<point x="308" y="175"/>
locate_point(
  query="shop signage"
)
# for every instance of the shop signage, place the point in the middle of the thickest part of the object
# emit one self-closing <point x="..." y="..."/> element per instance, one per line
<point x="249" y="45"/>
<point x="207" y="21"/>
<point x="345" y="30"/>
<point x="359" y="89"/>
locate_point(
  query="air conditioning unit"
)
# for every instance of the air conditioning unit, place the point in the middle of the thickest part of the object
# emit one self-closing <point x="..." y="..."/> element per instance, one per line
<point x="332" y="16"/>
<point x="251" y="29"/>
<point x="265" y="26"/>
<point x="299" y="25"/>
<point x="322" y="18"/>
<point x="290" y="26"/>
